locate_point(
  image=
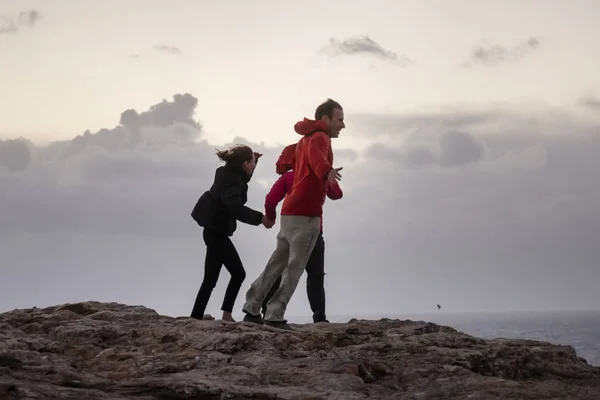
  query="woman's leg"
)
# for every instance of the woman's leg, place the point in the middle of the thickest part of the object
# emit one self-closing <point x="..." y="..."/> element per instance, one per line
<point x="212" y="268"/>
<point x="232" y="262"/>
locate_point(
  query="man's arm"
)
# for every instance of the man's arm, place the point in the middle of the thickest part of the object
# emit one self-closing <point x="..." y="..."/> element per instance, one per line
<point x="318" y="149"/>
<point x="275" y="195"/>
<point x="334" y="191"/>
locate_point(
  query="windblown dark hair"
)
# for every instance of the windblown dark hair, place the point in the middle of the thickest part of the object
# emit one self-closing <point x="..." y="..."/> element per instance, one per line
<point x="236" y="155"/>
<point x="326" y="108"/>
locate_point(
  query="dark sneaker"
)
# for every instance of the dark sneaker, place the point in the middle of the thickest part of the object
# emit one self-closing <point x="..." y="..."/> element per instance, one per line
<point x="279" y="325"/>
<point x="323" y="321"/>
<point x="253" y="319"/>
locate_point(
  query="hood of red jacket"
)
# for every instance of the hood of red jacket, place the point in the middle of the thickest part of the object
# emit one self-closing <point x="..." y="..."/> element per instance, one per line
<point x="308" y="126"/>
<point x="286" y="159"/>
<point x="305" y="127"/>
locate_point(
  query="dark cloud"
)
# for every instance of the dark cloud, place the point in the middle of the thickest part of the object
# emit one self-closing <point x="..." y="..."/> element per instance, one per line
<point x="24" y="18"/>
<point x="381" y="151"/>
<point x="415" y="157"/>
<point x="15" y="155"/>
<point x="167" y="49"/>
<point x="363" y="45"/>
<point x="495" y="55"/>
<point x="177" y="114"/>
<point x="485" y="205"/>
<point x="7" y="25"/>
<point x="345" y="156"/>
<point x="29" y="18"/>
<point x="451" y="150"/>
<point x="426" y="127"/>
<point x="418" y="156"/>
<point x="591" y="102"/>
<point x="146" y="147"/>
<point x="459" y="148"/>
<point x="397" y="125"/>
<point x="165" y="113"/>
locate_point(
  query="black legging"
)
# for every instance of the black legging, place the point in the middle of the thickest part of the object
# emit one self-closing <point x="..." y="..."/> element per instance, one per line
<point x="219" y="251"/>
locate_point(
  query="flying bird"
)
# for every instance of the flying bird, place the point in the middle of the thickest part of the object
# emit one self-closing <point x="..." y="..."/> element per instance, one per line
<point x="438" y="306"/>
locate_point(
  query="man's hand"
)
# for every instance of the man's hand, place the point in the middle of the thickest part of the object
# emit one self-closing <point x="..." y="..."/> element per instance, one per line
<point x="334" y="175"/>
<point x="267" y="222"/>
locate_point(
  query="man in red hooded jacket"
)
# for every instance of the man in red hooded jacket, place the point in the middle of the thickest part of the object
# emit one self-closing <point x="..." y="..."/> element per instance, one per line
<point x="315" y="267"/>
<point x="300" y="215"/>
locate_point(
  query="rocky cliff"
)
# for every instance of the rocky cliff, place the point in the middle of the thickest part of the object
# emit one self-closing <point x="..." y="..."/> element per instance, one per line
<point x="93" y="350"/>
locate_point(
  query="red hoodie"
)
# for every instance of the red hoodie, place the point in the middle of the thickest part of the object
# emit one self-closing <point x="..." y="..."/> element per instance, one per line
<point x="283" y="185"/>
<point x="311" y="159"/>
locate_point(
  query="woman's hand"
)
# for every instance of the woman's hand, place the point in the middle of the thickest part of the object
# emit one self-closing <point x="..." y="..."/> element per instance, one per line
<point x="267" y="222"/>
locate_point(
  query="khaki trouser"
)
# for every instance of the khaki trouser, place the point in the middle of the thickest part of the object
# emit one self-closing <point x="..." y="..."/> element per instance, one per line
<point x="295" y="242"/>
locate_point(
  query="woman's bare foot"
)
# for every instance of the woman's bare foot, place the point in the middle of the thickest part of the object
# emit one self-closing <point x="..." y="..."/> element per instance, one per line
<point x="227" y="317"/>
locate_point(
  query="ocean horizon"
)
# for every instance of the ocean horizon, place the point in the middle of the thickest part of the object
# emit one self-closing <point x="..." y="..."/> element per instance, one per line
<point x="579" y="329"/>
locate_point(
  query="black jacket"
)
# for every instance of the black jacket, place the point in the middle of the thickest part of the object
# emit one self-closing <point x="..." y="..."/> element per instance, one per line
<point x="223" y="205"/>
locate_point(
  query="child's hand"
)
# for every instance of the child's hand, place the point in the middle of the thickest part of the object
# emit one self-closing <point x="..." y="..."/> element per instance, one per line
<point x="267" y="222"/>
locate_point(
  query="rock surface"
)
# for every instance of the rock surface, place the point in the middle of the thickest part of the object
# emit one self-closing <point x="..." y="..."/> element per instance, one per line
<point x="93" y="350"/>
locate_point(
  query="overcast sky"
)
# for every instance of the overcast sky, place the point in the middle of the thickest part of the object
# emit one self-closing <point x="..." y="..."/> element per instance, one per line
<point x="471" y="154"/>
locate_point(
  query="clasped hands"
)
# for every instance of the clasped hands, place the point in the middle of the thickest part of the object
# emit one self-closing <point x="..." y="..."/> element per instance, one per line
<point x="267" y="223"/>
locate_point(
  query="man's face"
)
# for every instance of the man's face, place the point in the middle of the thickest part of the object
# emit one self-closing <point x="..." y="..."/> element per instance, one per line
<point x="336" y="123"/>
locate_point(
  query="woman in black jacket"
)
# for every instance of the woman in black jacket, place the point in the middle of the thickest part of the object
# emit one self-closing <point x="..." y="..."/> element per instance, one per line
<point x="218" y="211"/>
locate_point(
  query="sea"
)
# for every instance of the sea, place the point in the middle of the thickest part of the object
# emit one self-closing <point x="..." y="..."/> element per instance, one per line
<point x="580" y="329"/>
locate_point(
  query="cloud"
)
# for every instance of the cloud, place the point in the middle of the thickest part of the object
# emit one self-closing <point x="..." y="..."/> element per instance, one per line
<point x="591" y="102"/>
<point x="15" y="155"/>
<point x="29" y="18"/>
<point x="159" y="48"/>
<point x="363" y="45"/>
<point x="452" y="149"/>
<point x="167" y="49"/>
<point x="495" y="55"/>
<point x="165" y="113"/>
<point x="459" y="148"/>
<point x="9" y="25"/>
<point x="478" y="209"/>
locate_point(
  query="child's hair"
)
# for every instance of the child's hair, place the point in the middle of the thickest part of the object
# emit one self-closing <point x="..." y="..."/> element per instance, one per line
<point x="236" y="155"/>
